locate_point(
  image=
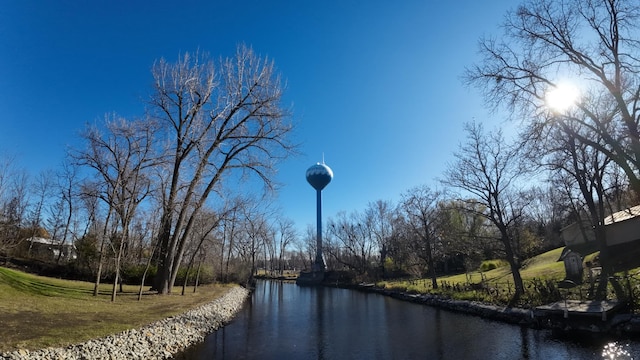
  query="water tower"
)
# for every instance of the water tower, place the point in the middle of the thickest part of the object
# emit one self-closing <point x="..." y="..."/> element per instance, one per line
<point x="319" y="176"/>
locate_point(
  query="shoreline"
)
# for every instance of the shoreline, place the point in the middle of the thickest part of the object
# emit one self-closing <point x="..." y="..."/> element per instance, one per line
<point x="162" y="339"/>
<point x="166" y="338"/>
<point x="621" y="325"/>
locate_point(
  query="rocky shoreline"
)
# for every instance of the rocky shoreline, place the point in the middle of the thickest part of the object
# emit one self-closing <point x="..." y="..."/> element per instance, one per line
<point x="159" y="340"/>
<point x="620" y="325"/>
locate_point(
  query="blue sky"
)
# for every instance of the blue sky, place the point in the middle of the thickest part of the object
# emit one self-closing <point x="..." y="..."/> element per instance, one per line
<point x="374" y="85"/>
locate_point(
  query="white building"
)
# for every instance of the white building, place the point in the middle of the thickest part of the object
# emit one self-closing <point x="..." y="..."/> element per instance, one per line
<point x="49" y="249"/>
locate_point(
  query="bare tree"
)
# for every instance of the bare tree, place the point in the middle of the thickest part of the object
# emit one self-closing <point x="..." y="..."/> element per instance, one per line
<point x="229" y="231"/>
<point x="250" y="236"/>
<point x="151" y="227"/>
<point x="208" y="221"/>
<point x="14" y="209"/>
<point x="269" y="247"/>
<point x="6" y="170"/>
<point x="592" y="42"/>
<point x="256" y="230"/>
<point x="286" y="235"/>
<point x="583" y="172"/>
<point x="420" y="206"/>
<point x="88" y="239"/>
<point x="550" y="209"/>
<point x="487" y="168"/>
<point x="379" y="218"/>
<point x="465" y="233"/>
<point x="401" y="249"/>
<point x="41" y="189"/>
<point x="355" y="247"/>
<point x="120" y="159"/>
<point x="211" y="225"/>
<point x="217" y="120"/>
<point x="308" y="245"/>
<point x="11" y="210"/>
<point x="64" y="210"/>
<point x="300" y="256"/>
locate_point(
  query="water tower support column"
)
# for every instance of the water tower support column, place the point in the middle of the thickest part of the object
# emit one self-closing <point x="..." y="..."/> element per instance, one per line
<point x="319" y="264"/>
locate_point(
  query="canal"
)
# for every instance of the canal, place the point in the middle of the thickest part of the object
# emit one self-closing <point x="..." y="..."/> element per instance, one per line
<point x="284" y="321"/>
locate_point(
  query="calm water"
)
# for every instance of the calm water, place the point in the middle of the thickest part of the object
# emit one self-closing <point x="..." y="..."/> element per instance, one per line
<point x="285" y="321"/>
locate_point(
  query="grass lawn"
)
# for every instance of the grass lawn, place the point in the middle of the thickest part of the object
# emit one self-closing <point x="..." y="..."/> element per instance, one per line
<point x="540" y="275"/>
<point x="537" y="270"/>
<point x="38" y="312"/>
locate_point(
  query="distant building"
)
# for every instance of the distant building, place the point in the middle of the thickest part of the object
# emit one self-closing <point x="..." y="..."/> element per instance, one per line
<point x="623" y="227"/>
<point x="622" y="231"/>
<point x="48" y="249"/>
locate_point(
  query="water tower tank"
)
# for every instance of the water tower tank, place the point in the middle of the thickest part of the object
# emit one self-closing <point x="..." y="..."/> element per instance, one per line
<point x="319" y="175"/>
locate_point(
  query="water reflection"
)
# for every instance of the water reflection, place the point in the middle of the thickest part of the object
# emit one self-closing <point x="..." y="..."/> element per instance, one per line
<point x="318" y="307"/>
<point x="284" y="321"/>
<point x="615" y="351"/>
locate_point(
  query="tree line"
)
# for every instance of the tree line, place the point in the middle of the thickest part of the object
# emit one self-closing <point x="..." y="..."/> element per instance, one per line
<point x="161" y="186"/>
<point x="158" y="189"/>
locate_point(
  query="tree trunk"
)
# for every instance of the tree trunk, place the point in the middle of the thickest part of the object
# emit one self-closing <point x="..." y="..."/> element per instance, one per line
<point x="186" y="276"/>
<point x="222" y="252"/>
<point x="231" y="243"/>
<point x="117" y="280"/>
<point x="144" y="276"/>
<point x="432" y="267"/>
<point x="65" y="233"/>
<point x="163" y="274"/>
<point x="195" y="285"/>
<point x="100" y="262"/>
<point x="514" y="264"/>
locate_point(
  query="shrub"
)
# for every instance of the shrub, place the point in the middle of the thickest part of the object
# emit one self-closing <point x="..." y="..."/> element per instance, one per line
<point x="492" y="264"/>
<point x="206" y="275"/>
<point x="132" y="274"/>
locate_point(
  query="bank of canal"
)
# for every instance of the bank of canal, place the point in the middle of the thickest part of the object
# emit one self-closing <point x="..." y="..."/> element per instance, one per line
<point x="282" y="320"/>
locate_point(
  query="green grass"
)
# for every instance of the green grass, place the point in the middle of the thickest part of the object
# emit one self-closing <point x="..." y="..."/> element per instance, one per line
<point x="540" y="276"/>
<point x="544" y="266"/>
<point x="37" y="312"/>
<point x="537" y="273"/>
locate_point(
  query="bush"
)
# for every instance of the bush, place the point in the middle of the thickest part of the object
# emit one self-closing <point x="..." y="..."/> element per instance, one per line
<point x="132" y="274"/>
<point x="206" y="275"/>
<point x="492" y="264"/>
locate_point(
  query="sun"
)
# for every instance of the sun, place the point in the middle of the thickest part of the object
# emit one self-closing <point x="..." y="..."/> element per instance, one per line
<point x="562" y="97"/>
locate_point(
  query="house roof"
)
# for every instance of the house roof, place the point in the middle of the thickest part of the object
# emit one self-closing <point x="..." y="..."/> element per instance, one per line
<point x="623" y="215"/>
<point x="40" y="240"/>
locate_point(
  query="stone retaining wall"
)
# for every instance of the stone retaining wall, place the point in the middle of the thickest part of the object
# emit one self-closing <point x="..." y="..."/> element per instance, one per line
<point x="158" y="340"/>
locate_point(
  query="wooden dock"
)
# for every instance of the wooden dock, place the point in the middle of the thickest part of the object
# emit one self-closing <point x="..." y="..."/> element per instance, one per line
<point x="591" y="316"/>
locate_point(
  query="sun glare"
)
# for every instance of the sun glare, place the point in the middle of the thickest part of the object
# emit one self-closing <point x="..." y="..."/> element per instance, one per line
<point x="562" y="97"/>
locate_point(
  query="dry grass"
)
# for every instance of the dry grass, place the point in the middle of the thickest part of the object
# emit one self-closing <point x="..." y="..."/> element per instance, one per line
<point x="38" y="312"/>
